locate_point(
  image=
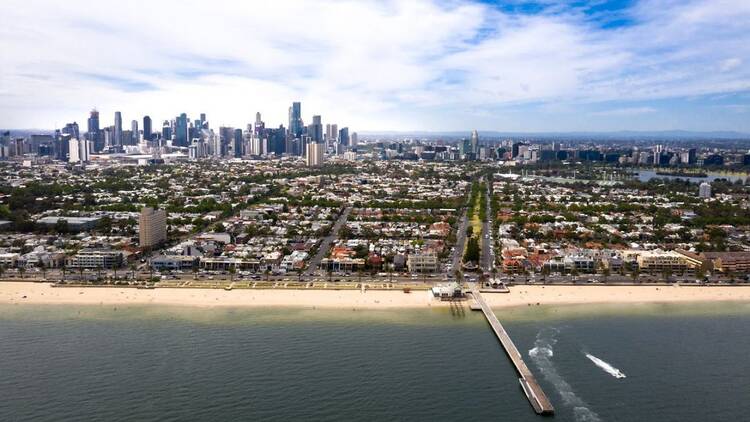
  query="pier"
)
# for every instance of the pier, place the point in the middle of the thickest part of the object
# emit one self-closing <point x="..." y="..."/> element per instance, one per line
<point x="531" y="388"/>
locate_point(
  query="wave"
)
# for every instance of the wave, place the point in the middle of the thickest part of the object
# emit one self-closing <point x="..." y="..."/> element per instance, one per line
<point x="611" y="370"/>
<point x="541" y="355"/>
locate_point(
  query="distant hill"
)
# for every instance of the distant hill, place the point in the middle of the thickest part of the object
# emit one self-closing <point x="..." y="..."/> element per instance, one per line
<point x="624" y="134"/>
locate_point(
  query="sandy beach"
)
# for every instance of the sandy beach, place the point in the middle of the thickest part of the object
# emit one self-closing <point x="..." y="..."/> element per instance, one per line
<point x="42" y="293"/>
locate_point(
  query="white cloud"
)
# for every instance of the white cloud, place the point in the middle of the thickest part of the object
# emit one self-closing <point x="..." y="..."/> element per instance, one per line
<point x="628" y="111"/>
<point x="418" y="64"/>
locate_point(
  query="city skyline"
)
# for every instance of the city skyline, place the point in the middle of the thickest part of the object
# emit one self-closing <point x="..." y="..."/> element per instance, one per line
<point x="417" y="66"/>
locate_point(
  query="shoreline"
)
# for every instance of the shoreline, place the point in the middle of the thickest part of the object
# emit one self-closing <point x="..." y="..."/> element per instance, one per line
<point x="521" y="295"/>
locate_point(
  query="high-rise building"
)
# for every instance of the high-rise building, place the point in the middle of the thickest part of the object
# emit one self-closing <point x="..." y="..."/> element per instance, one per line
<point x="704" y="190"/>
<point x="354" y="140"/>
<point x="147" y="128"/>
<point x="344" y="136"/>
<point x="474" y="141"/>
<point x="95" y="134"/>
<point x="295" y="120"/>
<point x="259" y="126"/>
<point x="152" y="227"/>
<point x="314" y="154"/>
<point x="134" y="132"/>
<point x="72" y="130"/>
<point x="238" y="143"/>
<point x="166" y="131"/>
<point x="117" y="141"/>
<point x="181" y="137"/>
<point x="79" y="150"/>
<point x="74" y="151"/>
<point x="315" y="130"/>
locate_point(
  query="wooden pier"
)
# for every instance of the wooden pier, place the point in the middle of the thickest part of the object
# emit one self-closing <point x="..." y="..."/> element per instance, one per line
<point x="531" y="388"/>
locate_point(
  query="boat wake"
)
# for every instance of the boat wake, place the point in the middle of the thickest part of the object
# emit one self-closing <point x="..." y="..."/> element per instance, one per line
<point x="611" y="370"/>
<point x="541" y="354"/>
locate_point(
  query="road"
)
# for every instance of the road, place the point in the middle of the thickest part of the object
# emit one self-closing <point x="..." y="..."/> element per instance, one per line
<point x="487" y="260"/>
<point x="460" y="241"/>
<point x="325" y="245"/>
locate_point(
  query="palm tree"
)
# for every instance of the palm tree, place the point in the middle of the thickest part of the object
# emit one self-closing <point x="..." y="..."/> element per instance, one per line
<point x="21" y="271"/>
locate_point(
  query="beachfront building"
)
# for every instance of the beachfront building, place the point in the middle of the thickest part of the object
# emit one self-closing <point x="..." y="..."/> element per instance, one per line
<point x="660" y="261"/>
<point x="96" y="258"/>
<point x="422" y="263"/>
<point x="729" y="262"/>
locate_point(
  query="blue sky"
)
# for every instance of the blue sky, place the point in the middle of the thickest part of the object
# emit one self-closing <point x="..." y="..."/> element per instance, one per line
<point x="437" y="65"/>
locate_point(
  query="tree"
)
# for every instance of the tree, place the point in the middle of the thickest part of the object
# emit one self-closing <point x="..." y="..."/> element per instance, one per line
<point x="43" y="268"/>
<point x="232" y="270"/>
<point x="472" y="251"/>
<point x="61" y="226"/>
<point x="21" y="271"/>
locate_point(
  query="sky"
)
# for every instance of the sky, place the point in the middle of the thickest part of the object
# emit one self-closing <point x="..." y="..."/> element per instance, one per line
<point x="427" y="65"/>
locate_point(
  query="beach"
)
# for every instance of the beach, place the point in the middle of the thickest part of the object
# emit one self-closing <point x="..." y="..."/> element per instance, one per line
<point x="43" y="293"/>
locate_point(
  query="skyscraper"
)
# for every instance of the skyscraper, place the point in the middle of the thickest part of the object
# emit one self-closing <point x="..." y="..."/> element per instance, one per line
<point x="95" y="135"/>
<point x="474" y="141"/>
<point x="147" y="128"/>
<point x="181" y="131"/>
<point x="134" y="132"/>
<point x="354" y="140"/>
<point x="118" y="129"/>
<point x="344" y="136"/>
<point x="295" y="120"/>
<point x="72" y="130"/>
<point x="315" y="130"/>
<point x="238" y="143"/>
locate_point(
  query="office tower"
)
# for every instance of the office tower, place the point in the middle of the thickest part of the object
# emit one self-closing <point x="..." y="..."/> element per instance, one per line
<point x="315" y="130"/>
<point x="657" y="154"/>
<point x="259" y="126"/>
<point x="344" y="136"/>
<point x="181" y="134"/>
<point x="354" y="140"/>
<point x="62" y="145"/>
<point x="94" y="133"/>
<point x="692" y="156"/>
<point x="333" y="131"/>
<point x="704" y="190"/>
<point x="134" y="132"/>
<point x="118" y="129"/>
<point x="203" y="122"/>
<point x="166" y="131"/>
<point x="147" y="128"/>
<point x="72" y="130"/>
<point x="295" y="120"/>
<point x="238" y="143"/>
<point x="474" y="141"/>
<point x="314" y="154"/>
<point x="152" y="227"/>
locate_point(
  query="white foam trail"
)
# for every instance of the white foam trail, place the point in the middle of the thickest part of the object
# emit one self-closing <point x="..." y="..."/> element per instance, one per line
<point x="541" y="355"/>
<point x="611" y="370"/>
